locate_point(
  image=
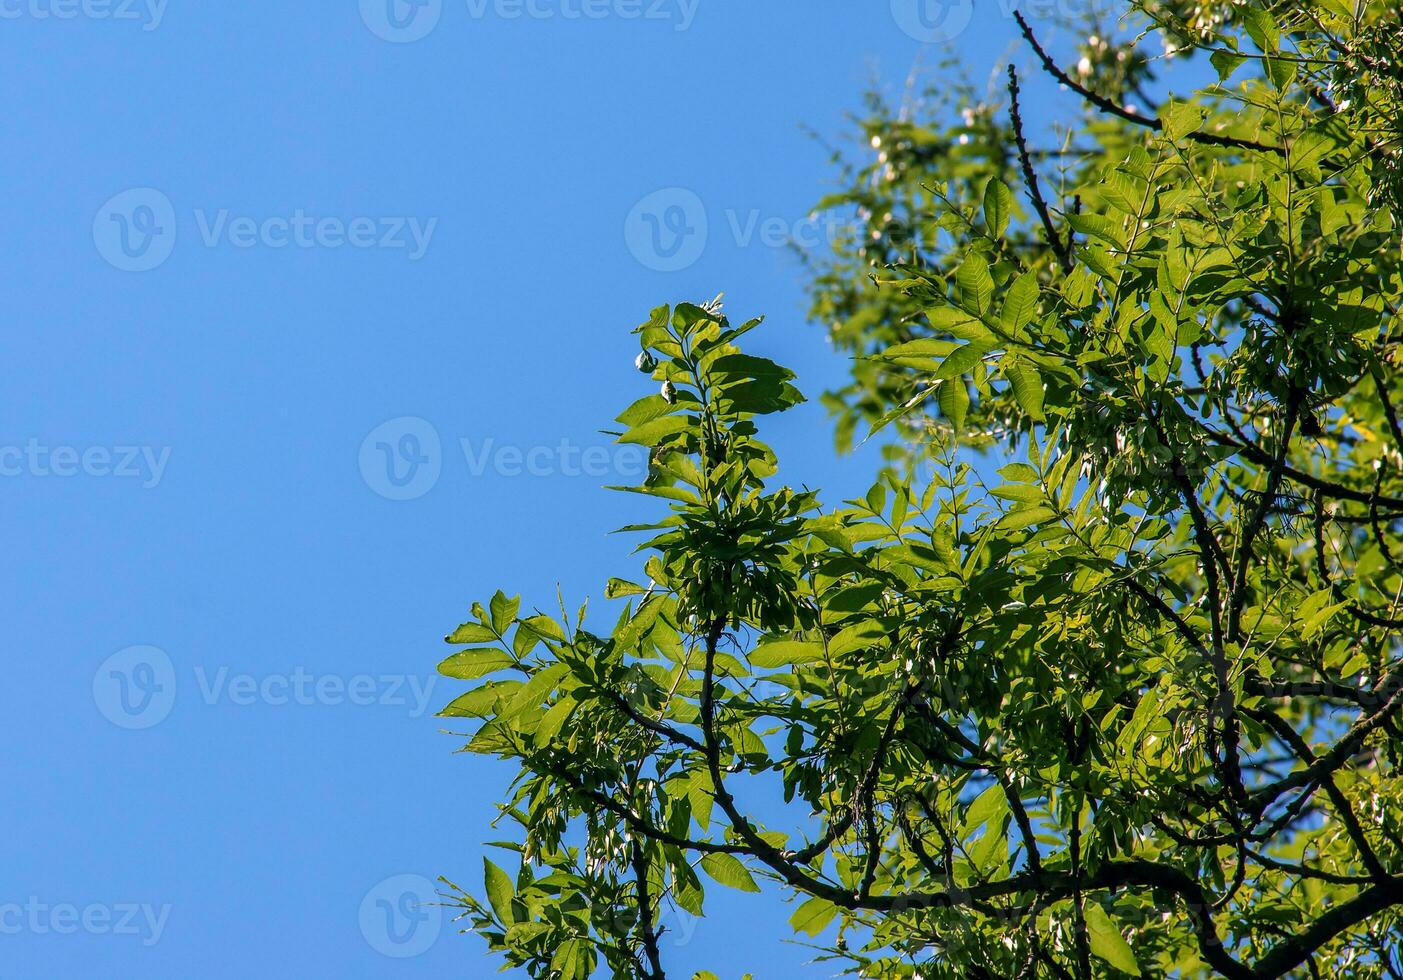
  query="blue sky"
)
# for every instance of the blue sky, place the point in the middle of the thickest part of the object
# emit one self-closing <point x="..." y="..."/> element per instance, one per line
<point x="257" y="253"/>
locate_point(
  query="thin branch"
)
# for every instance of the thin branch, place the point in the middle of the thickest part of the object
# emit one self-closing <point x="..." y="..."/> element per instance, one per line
<point x="1030" y="177"/>
<point x="1112" y="108"/>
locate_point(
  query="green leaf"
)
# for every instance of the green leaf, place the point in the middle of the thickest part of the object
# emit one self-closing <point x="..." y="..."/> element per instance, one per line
<point x="924" y="347"/>
<point x="655" y="431"/>
<point x="976" y="285"/>
<point x="813" y="916"/>
<point x="554" y="720"/>
<point x="1226" y="62"/>
<point x="1261" y="27"/>
<point x="1020" y="492"/>
<point x="783" y="653"/>
<point x="961" y="361"/>
<point x="1018" y="519"/>
<point x="471" y="664"/>
<point x="1027" y="386"/>
<point x="858" y="636"/>
<point x="998" y="204"/>
<point x="1018" y="473"/>
<point x="959" y="324"/>
<point x="728" y="870"/>
<point x="481" y="701"/>
<point x="1107" y="942"/>
<point x="1181" y="118"/>
<point x="617" y="588"/>
<point x="569" y="960"/>
<point x="471" y="633"/>
<point x="1099" y="226"/>
<point x="1021" y="304"/>
<point x="646" y="409"/>
<point x="499" y="891"/>
<point x="1281" y="71"/>
<point x="987" y="806"/>
<point x="504" y="610"/>
<point x="954" y="401"/>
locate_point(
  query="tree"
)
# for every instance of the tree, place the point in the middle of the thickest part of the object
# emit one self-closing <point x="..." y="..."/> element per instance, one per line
<point x="1132" y="708"/>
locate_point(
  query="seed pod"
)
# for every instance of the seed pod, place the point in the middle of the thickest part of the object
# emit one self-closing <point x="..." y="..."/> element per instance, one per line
<point x="669" y="393"/>
<point x="645" y="362"/>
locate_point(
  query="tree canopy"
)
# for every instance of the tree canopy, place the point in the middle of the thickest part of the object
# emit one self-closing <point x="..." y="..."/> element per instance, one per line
<point x="1102" y="676"/>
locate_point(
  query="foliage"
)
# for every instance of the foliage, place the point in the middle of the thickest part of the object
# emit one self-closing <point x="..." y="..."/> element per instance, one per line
<point x="1129" y="708"/>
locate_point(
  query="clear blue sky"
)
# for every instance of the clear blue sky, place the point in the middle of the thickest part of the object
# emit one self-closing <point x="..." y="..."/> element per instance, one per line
<point x="217" y="361"/>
